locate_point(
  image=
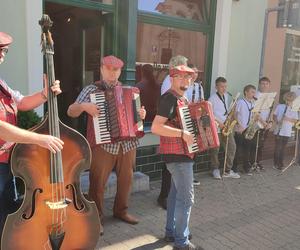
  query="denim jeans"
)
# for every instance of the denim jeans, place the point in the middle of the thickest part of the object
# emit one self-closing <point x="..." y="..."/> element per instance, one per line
<point x="180" y="201"/>
<point x="6" y="193"/>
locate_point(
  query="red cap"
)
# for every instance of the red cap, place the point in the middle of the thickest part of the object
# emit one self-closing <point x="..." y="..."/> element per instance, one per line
<point x="112" y="61"/>
<point x="5" y="39"/>
<point x="181" y="69"/>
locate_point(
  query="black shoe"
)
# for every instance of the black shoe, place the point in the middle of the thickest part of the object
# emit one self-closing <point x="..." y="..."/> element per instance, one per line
<point x="190" y="246"/>
<point x="196" y="182"/>
<point x="171" y="238"/>
<point x="162" y="203"/>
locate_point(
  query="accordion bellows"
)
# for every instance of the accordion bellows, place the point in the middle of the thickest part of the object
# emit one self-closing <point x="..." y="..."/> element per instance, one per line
<point x="198" y="118"/>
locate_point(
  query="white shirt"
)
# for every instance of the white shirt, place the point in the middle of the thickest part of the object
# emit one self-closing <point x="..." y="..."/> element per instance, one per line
<point x="166" y="85"/>
<point x="286" y="127"/>
<point x="189" y="92"/>
<point x="219" y="110"/>
<point x="264" y="114"/>
<point x="243" y="112"/>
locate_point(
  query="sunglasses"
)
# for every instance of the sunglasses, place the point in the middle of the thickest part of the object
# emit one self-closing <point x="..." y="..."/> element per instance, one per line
<point x="4" y="50"/>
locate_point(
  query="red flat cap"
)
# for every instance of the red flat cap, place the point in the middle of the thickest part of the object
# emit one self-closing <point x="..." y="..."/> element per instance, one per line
<point x="5" y="39"/>
<point x="112" y="61"/>
<point x="181" y="69"/>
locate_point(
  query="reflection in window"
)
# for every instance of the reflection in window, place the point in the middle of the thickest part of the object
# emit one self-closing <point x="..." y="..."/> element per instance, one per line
<point x="291" y="64"/>
<point x="155" y="47"/>
<point x="189" y="9"/>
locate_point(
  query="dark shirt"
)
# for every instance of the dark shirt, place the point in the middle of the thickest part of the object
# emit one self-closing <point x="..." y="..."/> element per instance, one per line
<point x="149" y="93"/>
<point x="167" y="108"/>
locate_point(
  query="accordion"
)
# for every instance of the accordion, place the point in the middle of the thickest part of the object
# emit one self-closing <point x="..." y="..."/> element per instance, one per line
<point x="119" y="114"/>
<point x="198" y="119"/>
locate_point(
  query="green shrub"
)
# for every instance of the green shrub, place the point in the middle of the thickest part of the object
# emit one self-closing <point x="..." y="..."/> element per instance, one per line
<point x="28" y="119"/>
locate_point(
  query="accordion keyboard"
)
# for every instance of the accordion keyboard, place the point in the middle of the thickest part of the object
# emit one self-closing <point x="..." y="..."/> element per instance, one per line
<point x="187" y="124"/>
<point x="101" y="122"/>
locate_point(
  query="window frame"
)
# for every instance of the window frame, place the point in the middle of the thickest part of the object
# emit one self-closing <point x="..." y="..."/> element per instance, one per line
<point x="207" y="29"/>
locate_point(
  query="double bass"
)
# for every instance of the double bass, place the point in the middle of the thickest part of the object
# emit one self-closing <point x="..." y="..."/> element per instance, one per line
<point x="54" y="214"/>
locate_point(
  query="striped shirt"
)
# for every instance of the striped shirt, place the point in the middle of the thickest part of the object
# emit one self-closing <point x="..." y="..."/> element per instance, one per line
<point x="112" y="148"/>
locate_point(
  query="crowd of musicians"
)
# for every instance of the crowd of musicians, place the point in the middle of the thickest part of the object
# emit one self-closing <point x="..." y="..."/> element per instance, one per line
<point x="238" y="134"/>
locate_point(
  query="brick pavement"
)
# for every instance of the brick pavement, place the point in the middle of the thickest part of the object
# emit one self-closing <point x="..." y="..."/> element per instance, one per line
<point x="255" y="212"/>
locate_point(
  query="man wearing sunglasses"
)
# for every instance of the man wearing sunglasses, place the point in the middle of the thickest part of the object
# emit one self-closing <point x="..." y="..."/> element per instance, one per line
<point x="10" y="102"/>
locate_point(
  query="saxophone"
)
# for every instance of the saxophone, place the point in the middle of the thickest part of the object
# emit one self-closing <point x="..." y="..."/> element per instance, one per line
<point x="252" y="128"/>
<point x="230" y="119"/>
<point x="297" y="124"/>
<point x="255" y="124"/>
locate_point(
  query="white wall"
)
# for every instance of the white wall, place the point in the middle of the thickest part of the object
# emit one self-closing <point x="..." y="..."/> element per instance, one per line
<point x="222" y="30"/>
<point x="245" y="41"/>
<point x="23" y="67"/>
<point x="238" y="39"/>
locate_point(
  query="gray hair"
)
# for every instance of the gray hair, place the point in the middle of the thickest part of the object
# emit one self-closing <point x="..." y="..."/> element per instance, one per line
<point x="177" y="60"/>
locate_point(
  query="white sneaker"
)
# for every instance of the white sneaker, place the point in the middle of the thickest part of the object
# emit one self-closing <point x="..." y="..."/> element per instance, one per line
<point x="231" y="174"/>
<point x="216" y="174"/>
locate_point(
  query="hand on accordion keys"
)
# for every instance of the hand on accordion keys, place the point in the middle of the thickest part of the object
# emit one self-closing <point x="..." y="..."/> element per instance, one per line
<point x="188" y="137"/>
<point x="91" y="108"/>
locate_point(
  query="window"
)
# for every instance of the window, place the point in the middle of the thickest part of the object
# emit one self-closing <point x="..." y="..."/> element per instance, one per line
<point x="103" y="1"/>
<point x="189" y="9"/>
<point x="291" y="63"/>
<point x="155" y="46"/>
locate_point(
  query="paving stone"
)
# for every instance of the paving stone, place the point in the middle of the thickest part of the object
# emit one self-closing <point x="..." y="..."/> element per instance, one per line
<point x="259" y="212"/>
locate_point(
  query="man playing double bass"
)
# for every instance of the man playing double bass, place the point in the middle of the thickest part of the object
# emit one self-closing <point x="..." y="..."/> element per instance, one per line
<point x="10" y="102"/>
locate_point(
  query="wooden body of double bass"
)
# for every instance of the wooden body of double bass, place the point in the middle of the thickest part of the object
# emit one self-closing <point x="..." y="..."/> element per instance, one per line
<point x="30" y="226"/>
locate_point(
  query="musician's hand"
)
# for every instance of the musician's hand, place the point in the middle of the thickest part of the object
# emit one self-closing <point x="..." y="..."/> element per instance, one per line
<point x="55" y="88"/>
<point x="52" y="143"/>
<point x="91" y="108"/>
<point x="221" y="125"/>
<point x="142" y="112"/>
<point x="256" y="117"/>
<point x="188" y="137"/>
<point x="269" y="125"/>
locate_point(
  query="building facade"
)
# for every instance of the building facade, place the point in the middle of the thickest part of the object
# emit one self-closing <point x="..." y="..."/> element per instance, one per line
<point x="220" y="38"/>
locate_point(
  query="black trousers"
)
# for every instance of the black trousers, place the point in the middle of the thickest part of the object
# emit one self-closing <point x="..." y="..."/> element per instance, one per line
<point x="165" y="183"/>
<point x="262" y="138"/>
<point x="245" y="150"/>
<point x="280" y="144"/>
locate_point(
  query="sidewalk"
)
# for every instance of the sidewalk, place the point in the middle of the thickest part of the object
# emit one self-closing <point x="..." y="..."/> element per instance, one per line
<point x="255" y="212"/>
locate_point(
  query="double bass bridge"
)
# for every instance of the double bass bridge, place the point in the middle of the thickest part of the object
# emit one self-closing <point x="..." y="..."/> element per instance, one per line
<point x="58" y="204"/>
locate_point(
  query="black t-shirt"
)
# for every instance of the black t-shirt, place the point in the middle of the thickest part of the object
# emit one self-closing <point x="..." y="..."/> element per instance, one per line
<point x="167" y="108"/>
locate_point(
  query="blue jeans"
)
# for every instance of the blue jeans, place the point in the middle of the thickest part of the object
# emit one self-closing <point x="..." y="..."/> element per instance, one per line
<point x="6" y="193"/>
<point x="180" y="201"/>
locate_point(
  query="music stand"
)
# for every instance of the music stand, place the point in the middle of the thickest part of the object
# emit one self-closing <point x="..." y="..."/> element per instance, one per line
<point x="263" y="102"/>
<point x="293" y="162"/>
